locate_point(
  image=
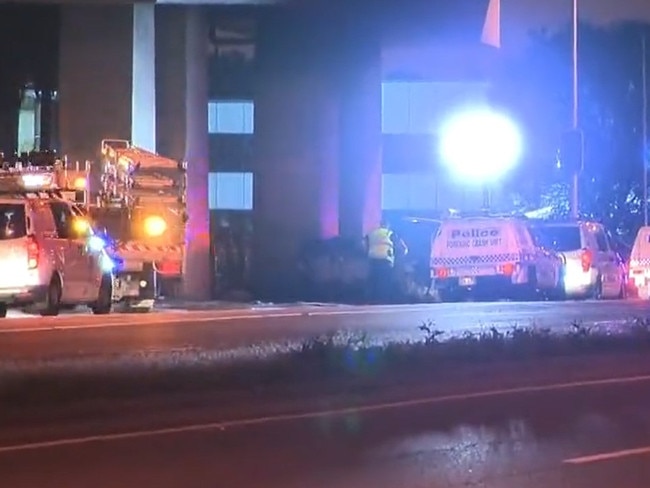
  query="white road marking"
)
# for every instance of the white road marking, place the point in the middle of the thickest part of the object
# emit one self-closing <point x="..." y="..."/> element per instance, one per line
<point x="134" y="323"/>
<point x="363" y="312"/>
<point x="607" y="456"/>
<point x="370" y="408"/>
<point x="137" y="320"/>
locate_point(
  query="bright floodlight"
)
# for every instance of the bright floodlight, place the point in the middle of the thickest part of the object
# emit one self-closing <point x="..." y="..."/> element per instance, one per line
<point x="481" y="145"/>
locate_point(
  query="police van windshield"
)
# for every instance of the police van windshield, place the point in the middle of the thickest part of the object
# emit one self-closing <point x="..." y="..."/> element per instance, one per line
<point x="12" y="221"/>
<point x="561" y="238"/>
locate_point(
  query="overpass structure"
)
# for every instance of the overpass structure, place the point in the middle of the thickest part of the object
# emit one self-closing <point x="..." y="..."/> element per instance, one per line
<point x="140" y="72"/>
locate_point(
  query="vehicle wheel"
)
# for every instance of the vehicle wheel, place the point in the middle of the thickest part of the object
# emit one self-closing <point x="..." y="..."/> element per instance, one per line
<point x="104" y="303"/>
<point x="622" y="294"/>
<point x="3" y="310"/>
<point x="52" y="299"/>
<point x="449" y="296"/>
<point x="530" y="291"/>
<point x="597" y="290"/>
<point x="559" y="293"/>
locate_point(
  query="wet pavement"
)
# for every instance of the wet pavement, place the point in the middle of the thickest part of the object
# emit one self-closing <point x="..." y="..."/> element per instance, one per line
<point x="268" y="329"/>
<point x="571" y="437"/>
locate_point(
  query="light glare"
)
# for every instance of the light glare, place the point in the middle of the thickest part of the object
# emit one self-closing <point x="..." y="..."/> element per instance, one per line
<point x="480" y="146"/>
<point x="96" y="243"/>
<point x="155" y="226"/>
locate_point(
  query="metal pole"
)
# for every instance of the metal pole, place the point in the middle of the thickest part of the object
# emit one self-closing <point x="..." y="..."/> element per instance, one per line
<point x="574" y="118"/>
<point x="644" y="128"/>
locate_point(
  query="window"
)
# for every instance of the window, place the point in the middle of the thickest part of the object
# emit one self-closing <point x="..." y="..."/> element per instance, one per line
<point x="62" y="219"/>
<point x="394" y="191"/>
<point x="408" y="191"/>
<point x="601" y="240"/>
<point x="13" y="224"/>
<point x="43" y="217"/>
<point x="231" y="117"/>
<point x="230" y="191"/>
<point x="395" y="107"/>
<point x="417" y="107"/>
<point x="560" y="238"/>
<point x="406" y="153"/>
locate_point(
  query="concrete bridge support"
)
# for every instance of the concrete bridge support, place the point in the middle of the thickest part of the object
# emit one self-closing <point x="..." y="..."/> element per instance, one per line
<point x="139" y="72"/>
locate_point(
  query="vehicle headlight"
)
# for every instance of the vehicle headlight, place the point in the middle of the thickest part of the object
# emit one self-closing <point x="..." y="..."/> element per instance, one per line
<point x="96" y="243"/>
<point x="106" y="263"/>
<point x="154" y="226"/>
<point x="79" y="184"/>
<point x="81" y="226"/>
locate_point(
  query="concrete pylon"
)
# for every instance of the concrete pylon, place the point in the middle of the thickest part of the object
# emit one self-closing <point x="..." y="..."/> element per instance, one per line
<point x="296" y="145"/>
<point x="360" y="160"/>
<point x="317" y="138"/>
<point x="182" y="120"/>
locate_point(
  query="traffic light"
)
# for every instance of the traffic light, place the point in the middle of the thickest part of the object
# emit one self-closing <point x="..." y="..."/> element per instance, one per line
<point x="570" y="155"/>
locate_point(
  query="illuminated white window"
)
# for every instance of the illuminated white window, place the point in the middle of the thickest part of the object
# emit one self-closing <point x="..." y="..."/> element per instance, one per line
<point x="408" y="191"/>
<point x="231" y="117"/>
<point x="395" y="107"/>
<point x="418" y="107"/>
<point x="230" y="191"/>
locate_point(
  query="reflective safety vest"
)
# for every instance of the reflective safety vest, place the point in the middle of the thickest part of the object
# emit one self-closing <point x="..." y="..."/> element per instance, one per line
<point x="380" y="245"/>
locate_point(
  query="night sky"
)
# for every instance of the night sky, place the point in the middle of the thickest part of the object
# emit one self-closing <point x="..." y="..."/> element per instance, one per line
<point x="519" y="16"/>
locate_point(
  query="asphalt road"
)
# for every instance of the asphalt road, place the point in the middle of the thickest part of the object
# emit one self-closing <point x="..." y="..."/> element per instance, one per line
<point x="267" y="329"/>
<point x="575" y="436"/>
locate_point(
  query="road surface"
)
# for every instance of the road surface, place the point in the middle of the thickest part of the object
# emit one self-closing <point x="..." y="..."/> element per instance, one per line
<point x="593" y="435"/>
<point x="272" y="328"/>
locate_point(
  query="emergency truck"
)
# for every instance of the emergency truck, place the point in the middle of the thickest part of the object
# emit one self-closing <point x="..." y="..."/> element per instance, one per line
<point x="492" y="255"/>
<point x="50" y="257"/>
<point x="141" y="204"/>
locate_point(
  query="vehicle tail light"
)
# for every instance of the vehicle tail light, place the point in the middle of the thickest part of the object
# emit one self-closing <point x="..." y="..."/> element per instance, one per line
<point x="33" y="251"/>
<point x="508" y="269"/>
<point x="586" y="258"/>
<point x="169" y="267"/>
<point x="442" y="273"/>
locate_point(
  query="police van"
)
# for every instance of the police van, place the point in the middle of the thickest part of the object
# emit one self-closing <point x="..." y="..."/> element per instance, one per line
<point x="494" y="257"/>
<point x="49" y="255"/>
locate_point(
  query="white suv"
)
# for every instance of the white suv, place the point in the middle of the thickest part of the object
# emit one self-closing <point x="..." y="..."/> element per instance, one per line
<point x="49" y="257"/>
<point x="592" y="268"/>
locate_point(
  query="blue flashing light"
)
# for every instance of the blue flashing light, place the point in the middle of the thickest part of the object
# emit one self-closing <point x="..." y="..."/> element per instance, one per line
<point x="118" y="263"/>
<point x="96" y="243"/>
<point x="106" y="263"/>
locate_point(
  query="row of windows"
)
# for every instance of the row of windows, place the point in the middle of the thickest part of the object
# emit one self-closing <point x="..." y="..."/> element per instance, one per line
<point x="409" y="191"/>
<point x="407" y="107"/>
<point x="418" y="107"/>
<point x="425" y="191"/>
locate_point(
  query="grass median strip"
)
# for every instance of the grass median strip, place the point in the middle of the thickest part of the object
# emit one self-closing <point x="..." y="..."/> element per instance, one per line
<point x="322" y="359"/>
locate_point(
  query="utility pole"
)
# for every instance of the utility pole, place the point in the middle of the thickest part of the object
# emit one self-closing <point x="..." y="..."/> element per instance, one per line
<point x="644" y="127"/>
<point x="575" y="211"/>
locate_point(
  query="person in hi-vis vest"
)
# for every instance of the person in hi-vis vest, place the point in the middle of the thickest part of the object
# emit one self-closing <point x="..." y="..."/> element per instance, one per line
<point x="381" y="244"/>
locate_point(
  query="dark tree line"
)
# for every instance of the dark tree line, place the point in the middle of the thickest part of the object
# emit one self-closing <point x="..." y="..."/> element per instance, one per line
<point x="538" y="87"/>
